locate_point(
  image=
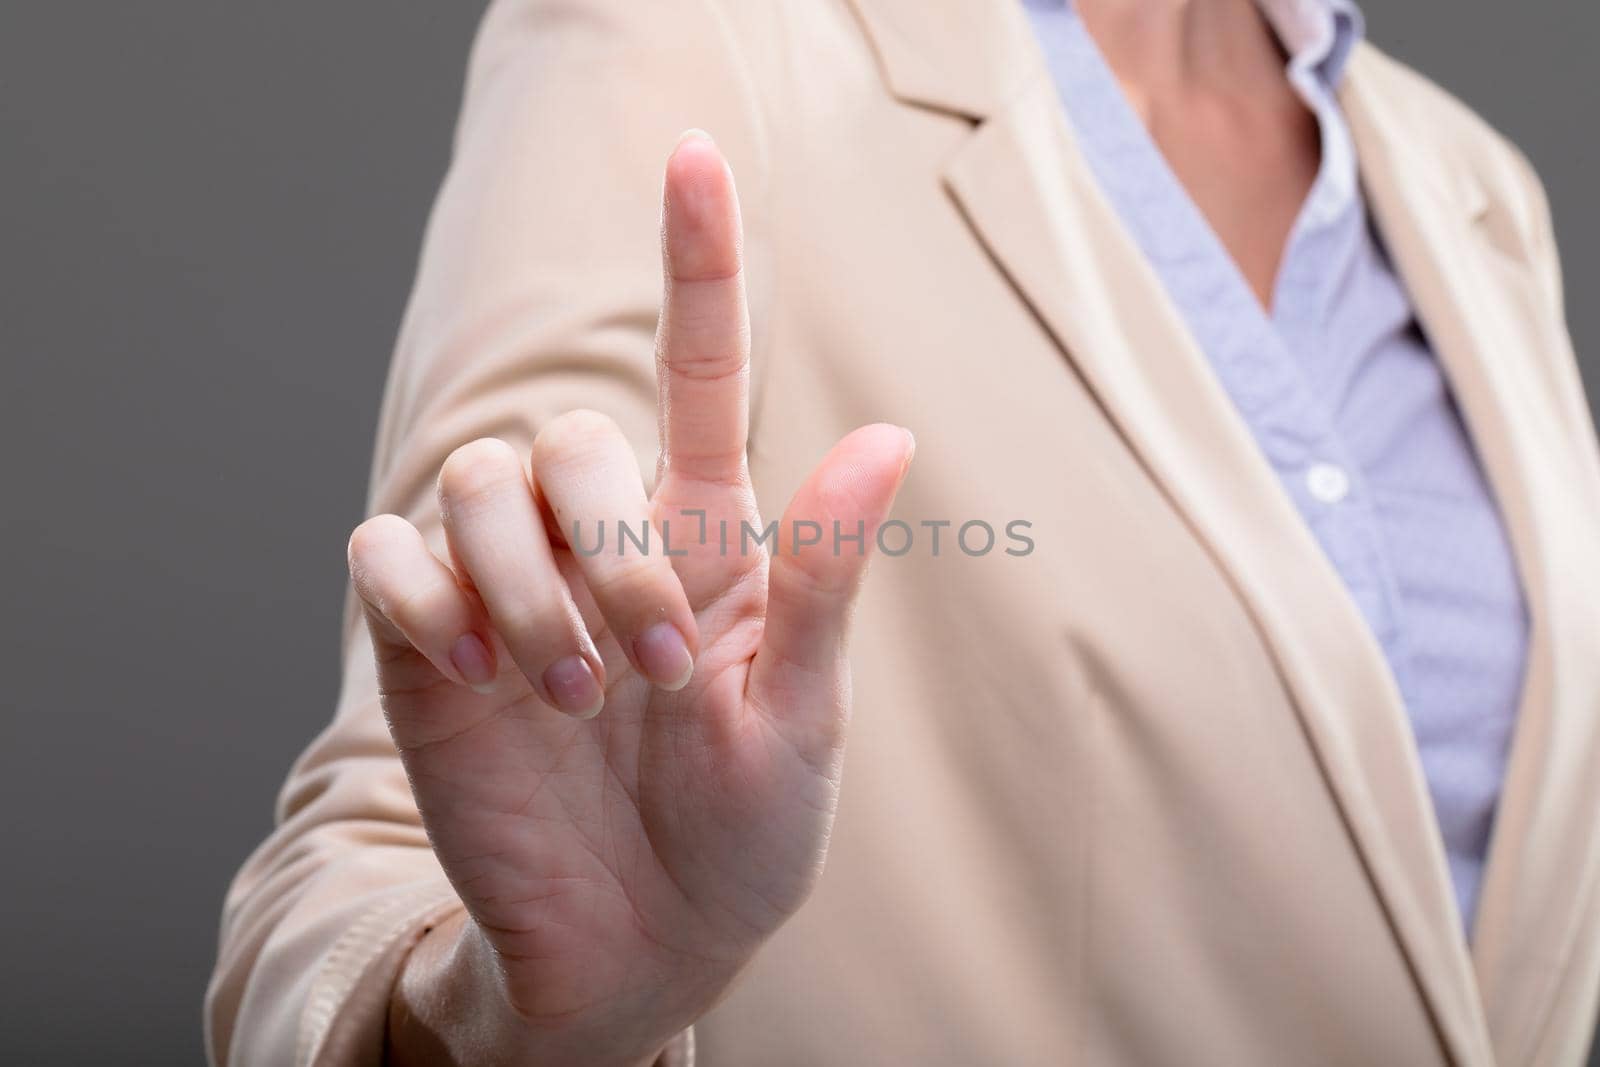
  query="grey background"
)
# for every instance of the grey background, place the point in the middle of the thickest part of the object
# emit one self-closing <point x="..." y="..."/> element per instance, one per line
<point x="209" y="216"/>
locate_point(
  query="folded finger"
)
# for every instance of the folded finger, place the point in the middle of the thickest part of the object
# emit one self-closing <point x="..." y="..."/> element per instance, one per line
<point x="586" y="471"/>
<point x="413" y="601"/>
<point x="497" y="537"/>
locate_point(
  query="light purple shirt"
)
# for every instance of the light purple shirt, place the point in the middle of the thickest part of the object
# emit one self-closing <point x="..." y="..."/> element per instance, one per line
<point x="1342" y="393"/>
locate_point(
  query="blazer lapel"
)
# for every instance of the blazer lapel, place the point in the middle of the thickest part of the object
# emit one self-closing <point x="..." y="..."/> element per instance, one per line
<point x="1030" y="197"/>
<point x="1541" y="873"/>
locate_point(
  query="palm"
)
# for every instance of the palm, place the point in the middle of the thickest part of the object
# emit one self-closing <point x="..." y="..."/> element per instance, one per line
<point x="682" y="824"/>
<point x="628" y="864"/>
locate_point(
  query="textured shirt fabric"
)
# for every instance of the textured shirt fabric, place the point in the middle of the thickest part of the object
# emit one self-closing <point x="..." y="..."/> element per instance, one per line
<point x="1342" y="393"/>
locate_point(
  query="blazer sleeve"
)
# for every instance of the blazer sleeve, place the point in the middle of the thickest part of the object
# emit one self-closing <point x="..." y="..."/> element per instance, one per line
<point x="537" y="292"/>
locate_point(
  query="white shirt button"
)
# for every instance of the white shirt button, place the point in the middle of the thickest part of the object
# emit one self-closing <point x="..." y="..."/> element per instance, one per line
<point x="1328" y="482"/>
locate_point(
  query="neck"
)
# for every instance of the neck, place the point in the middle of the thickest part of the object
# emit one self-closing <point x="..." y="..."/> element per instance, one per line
<point x="1155" y="46"/>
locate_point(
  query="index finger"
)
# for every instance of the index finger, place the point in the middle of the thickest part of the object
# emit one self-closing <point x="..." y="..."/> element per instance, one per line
<point x="703" y="340"/>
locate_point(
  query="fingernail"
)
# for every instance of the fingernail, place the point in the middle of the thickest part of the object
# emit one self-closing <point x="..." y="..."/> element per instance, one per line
<point x="573" y="687"/>
<point x="475" y="662"/>
<point x="664" y="657"/>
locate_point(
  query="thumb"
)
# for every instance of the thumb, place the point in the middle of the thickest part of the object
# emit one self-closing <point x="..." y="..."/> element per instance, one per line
<point x="824" y="542"/>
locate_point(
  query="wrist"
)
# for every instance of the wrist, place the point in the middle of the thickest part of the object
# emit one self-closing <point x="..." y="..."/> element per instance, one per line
<point x="450" y="1006"/>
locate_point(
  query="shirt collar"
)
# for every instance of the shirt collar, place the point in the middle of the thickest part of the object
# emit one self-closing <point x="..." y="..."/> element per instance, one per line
<point x="1319" y="35"/>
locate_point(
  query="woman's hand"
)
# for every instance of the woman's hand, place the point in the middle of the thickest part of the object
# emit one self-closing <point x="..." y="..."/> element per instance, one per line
<point x="627" y="762"/>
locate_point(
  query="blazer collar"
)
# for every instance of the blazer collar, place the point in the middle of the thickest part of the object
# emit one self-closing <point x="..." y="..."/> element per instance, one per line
<point x="964" y="57"/>
<point x="1024" y="188"/>
<point x="971" y="57"/>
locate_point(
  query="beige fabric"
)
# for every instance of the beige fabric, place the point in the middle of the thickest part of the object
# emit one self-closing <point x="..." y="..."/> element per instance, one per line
<point x="1146" y="796"/>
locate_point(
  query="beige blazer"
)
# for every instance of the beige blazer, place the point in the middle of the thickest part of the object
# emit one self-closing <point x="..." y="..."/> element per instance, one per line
<point x="1145" y="796"/>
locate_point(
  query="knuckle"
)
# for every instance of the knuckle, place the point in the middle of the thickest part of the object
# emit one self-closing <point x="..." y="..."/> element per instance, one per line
<point x="627" y="580"/>
<point x="574" y="434"/>
<point x="704" y="339"/>
<point x="418" y="605"/>
<point x="372" y="537"/>
<point x="534" y="629"/>
<point x="476" y="468"/>
<point x="704" y="349"/>
<point x="812" y="576"/>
